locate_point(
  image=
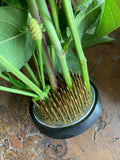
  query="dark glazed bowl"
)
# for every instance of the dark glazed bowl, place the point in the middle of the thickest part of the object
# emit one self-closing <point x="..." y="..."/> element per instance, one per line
<point x="72" y="129"/>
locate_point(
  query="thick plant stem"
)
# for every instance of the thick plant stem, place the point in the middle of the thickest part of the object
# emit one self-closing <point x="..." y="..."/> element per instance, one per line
<point x="32" y="6"/>
<point x="49" y="66"/>
<point x="31" y="74"/>
<point x="82" y="60"/>
<point x="23" y="78"/>
<point x="44" y="13"/>
<point x="55" y="17"/>
<point x="39" y="49"/>
<point x="64" y="67"/>
<point x="51" y="73"/>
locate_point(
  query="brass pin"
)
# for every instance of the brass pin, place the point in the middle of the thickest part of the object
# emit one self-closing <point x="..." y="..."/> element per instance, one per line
<point x="65" y="105"/>
<point x="61" y="114"/>
<point x="72" y="108"/>
<point x="67" y="112"/>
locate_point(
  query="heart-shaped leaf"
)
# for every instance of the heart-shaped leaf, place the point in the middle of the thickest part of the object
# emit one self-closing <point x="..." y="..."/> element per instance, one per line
<point x="16" y="44"/>
<point x="109" y="19"/>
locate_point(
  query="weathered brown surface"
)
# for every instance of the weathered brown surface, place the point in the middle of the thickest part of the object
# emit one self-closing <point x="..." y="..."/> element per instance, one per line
<point x="20" y="140"/>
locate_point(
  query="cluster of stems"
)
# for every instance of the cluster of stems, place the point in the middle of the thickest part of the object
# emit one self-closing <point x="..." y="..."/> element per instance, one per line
<point x="51" y="24"/>
<point x="37" y="9"/>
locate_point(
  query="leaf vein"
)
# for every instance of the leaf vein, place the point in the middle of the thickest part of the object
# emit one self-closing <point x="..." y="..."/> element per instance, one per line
<point x="11" y="38"/>
<point x="3" y="21"/>
<point x="116" y="5"/>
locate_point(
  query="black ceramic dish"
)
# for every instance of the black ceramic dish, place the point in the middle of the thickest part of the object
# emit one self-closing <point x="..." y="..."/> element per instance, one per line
<point x="72" y="129"/>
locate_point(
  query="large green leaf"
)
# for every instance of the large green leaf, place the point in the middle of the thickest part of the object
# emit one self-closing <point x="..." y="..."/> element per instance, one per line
<point x="16" y="44"/>
<point x="88" y="15"/>
<point x="109" y="19"/>
<point x="89" y="40"/>
<point x="83" y="4"/>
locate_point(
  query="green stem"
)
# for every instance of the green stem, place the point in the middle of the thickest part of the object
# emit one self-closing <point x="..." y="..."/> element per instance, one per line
<point x="52" y="54"/>
<point x="64" y="68"/>
<point x="4" y="77"/>
<point x="50" y="70"/>
<point x="44" y="13"/>
<point x="55" y="17"/>
<point x="39" y="46"/>
<point x="22" y="77"/>
<point x="17" y="91"/>
<point x="71" y="22"/>
<point x="36" y="65"/>
<point x="33" y="9"/>
<point x="53" y="81"/>
<point x="59" y="1"/>
<point x="31" y="74"/>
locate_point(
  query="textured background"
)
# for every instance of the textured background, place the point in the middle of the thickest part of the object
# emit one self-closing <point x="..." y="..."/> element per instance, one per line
<point x="20" y="140"/>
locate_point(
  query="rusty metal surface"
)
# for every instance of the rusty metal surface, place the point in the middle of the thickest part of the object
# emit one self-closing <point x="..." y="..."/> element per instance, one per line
<point x="20" y="140"/>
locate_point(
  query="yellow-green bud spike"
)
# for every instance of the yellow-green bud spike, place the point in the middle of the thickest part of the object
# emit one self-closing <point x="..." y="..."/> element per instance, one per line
<point x="35" y="29"/>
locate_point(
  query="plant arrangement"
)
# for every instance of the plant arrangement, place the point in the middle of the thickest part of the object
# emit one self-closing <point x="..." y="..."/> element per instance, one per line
<point x="51" y="35"/>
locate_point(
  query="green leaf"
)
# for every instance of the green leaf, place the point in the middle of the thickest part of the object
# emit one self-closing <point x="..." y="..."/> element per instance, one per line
<point x="83" y="4"/>
<point x="88" y="40"/>
<point x="89" y="11"/>
<point x="16" y="44"/>
<point x="88" y="16"/>
<point x="109" y="19"/>
<point x="17" y="83"/>
<point x="72" y="59"/>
